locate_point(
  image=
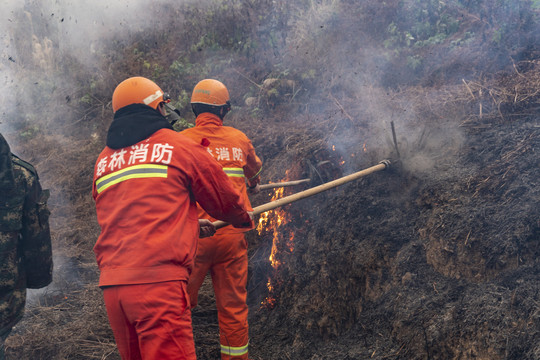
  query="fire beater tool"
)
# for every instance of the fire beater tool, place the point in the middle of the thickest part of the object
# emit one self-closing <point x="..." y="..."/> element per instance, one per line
<point x="382" y="165"/>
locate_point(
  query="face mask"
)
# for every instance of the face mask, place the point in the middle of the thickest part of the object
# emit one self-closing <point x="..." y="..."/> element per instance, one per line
<point x="171" y="113"/>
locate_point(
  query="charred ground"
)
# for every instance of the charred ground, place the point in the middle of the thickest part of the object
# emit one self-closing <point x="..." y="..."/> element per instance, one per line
<point x="433" y="258"/>
<point x="418" y="264"/>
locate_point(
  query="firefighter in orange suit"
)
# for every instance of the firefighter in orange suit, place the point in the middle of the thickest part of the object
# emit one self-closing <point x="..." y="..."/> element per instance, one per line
<point x="224" y="255"/>
<point x="147" y="183"/>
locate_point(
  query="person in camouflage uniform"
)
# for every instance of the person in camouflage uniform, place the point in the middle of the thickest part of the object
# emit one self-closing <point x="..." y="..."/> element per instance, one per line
<point x="25" y="241"/>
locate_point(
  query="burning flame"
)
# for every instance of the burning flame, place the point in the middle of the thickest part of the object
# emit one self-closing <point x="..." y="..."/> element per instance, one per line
<point x="271" y="221"/>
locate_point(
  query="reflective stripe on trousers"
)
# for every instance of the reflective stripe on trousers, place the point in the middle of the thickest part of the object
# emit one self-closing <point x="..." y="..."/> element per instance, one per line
<point x="234" y="351"/>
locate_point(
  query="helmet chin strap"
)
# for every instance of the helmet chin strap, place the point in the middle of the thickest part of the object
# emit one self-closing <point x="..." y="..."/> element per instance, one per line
<point x="225" y="109"/>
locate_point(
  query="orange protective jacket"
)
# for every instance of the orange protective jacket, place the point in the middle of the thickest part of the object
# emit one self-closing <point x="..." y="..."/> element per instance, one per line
<point x="234" y="151"/>
<point x="146" y="198"/>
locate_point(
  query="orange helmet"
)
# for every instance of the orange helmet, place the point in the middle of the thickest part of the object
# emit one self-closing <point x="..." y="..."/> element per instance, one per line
<point x="210" y="92"/>
<point x="137" y="90"/>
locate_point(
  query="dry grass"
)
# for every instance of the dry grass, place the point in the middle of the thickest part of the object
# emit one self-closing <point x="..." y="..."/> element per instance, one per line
<point x="330" y="106"/>
<point x="507" y="97"/>
<point x="71" y="322"/>
<point x="66" y="325"/>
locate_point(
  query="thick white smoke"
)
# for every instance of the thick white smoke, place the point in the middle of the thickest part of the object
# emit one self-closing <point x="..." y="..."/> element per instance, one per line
<point x="77" y="26"/>
<point x="37" y="34"/>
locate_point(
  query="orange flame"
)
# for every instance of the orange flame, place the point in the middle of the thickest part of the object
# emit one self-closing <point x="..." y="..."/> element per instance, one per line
<point x="290" y="243"/>
<point x="271" y="221"/>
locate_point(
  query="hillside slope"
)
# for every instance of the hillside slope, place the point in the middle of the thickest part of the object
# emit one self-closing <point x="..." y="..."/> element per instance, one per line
<point x="433" y="258"/>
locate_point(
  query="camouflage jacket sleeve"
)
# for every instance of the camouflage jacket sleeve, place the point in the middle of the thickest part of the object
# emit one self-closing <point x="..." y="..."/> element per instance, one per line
<point x="36" y="239"/>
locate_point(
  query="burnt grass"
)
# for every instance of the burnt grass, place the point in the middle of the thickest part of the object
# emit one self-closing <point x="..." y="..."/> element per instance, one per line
<point x="433" y="258"/>
<point x="433" y="263"/>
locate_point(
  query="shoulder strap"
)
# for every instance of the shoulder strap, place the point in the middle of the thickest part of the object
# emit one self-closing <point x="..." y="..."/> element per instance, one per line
<point x="17" y="160"/>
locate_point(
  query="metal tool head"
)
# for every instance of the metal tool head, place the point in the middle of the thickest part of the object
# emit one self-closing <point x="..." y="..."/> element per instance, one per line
<point x="323" y="167"/>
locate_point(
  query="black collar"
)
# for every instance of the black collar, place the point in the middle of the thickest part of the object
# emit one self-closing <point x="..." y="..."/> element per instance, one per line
<point x="134" y="123"/>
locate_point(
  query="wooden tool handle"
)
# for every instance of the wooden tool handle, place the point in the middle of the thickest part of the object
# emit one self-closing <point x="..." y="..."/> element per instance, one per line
<point x="310" y="192"/>
<point x="283" y="184"/>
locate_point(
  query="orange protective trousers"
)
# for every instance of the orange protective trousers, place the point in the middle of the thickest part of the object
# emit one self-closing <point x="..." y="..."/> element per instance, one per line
<point x="151" y="321"/>
<point x="225" y="256"/>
